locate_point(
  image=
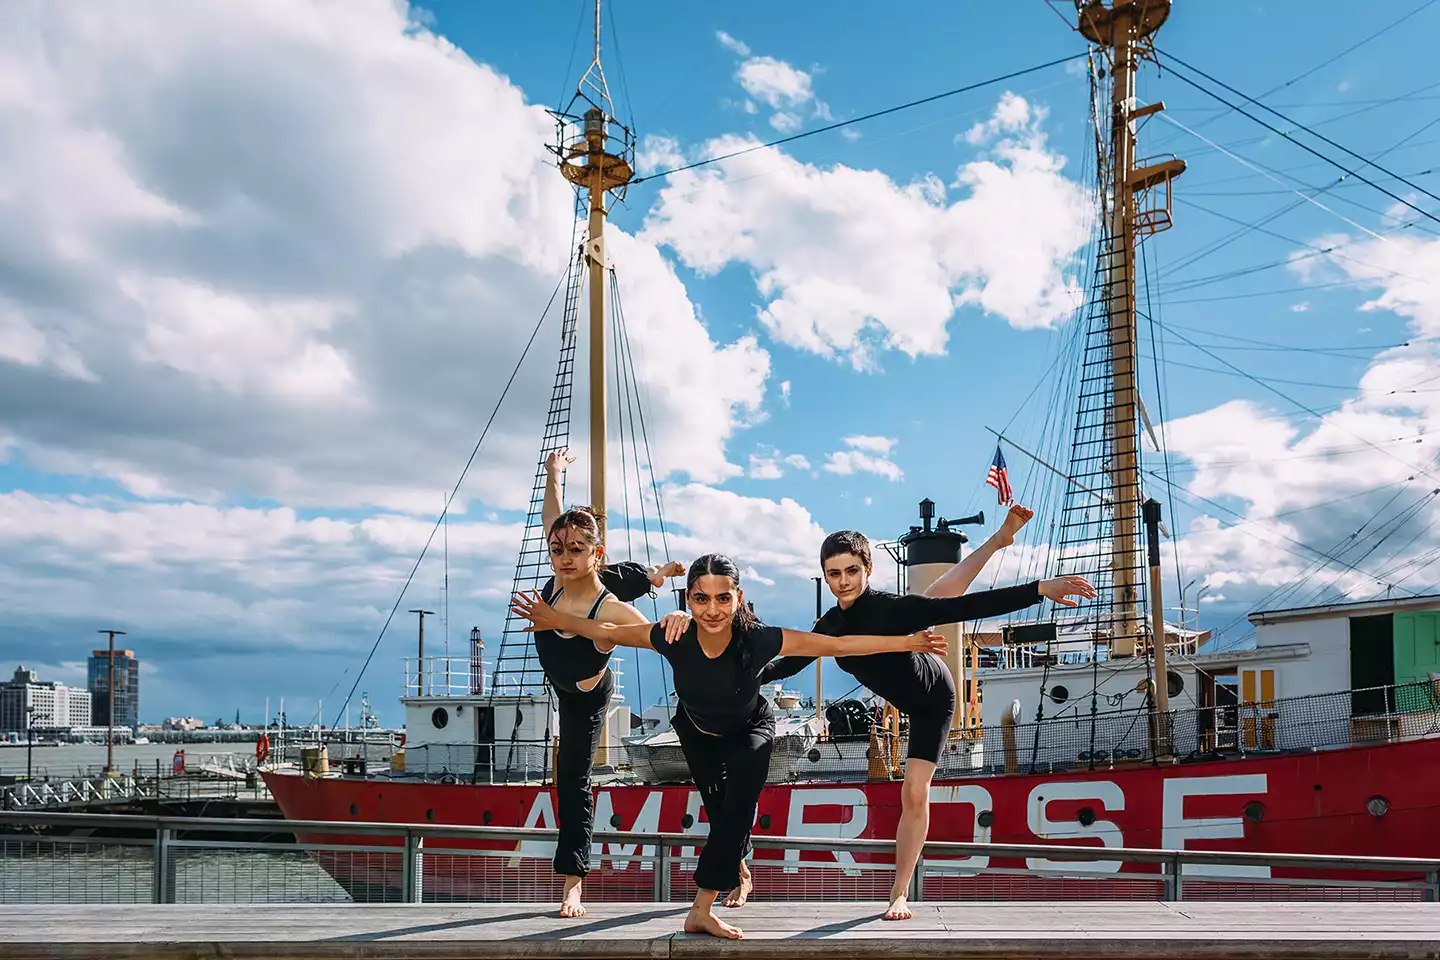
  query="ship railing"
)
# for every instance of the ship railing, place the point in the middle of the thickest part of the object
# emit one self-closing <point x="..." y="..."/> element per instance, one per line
<point x="85" y="858"/>
<point x="446" y="677"/>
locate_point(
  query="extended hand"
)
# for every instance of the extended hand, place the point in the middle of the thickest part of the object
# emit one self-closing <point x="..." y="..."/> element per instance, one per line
<point x="1059" y="588"/>
<point x="558" y="461"/>
<point x="676" y="622"/>
<point x="531" y="606"/>
<point x="659" y="573"/>
<point x="1014" y="520"/>
<point x="927" y="642"/>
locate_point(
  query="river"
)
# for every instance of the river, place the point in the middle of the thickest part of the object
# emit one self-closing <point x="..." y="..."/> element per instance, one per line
<point x="88" y="759"/>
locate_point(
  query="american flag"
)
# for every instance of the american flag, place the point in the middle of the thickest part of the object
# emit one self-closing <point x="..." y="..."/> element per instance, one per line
<point x="1000" y="480"/>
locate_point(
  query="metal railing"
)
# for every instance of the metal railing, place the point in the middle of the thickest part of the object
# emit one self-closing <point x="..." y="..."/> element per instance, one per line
<point x="207" y="860"/>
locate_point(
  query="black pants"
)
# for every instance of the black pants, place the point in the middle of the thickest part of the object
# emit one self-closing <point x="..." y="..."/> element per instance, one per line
<point x="730" y="772"/>
<point x="582" y="718"/>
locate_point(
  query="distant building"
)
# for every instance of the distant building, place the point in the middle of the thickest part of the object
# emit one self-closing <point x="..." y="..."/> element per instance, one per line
<point x="127" y="688"/>
<point x="55" y="706"/>
<point x="182" y="724"/>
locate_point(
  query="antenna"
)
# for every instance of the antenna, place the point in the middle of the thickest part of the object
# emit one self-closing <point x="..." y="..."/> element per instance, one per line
<point x="596" y="153"/>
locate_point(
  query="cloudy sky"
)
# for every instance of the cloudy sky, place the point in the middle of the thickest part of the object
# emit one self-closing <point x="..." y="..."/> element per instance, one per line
<point x="265" y="267"/>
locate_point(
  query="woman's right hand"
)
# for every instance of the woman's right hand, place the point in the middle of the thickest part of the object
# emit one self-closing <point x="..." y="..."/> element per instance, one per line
<point x="676" y="622"/>
<point x="531" y="606"/>
<point x="558" y="460"/>
<point x="926" y="642"/>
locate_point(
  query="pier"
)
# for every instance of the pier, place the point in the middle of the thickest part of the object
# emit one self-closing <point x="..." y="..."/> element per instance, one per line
<point x="852" y="931"/>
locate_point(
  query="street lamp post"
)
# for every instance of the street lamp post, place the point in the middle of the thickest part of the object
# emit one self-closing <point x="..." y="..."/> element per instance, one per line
<point x="110" y="712"/>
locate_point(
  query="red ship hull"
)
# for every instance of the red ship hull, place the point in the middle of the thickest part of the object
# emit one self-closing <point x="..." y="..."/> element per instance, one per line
<point x="1322" y="802"/>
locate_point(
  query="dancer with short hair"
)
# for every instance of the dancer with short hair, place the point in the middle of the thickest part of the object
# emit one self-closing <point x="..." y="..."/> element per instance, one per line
<point x="917" y="684"/>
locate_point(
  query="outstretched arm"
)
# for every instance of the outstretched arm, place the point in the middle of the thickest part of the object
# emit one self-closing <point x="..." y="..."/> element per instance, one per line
<point x="801" y="644"/>
<point x="915" y="612"/>
<point x="957" y="579"/>
<point x="542" y="616"/>
<point x="555" y="465"/>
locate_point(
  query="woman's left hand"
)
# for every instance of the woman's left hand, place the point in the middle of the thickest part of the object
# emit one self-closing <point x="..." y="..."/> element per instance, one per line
<point x="927" y="642"/>
<point x="1060" y="588"/>
<point x="675" y="623"/>
<point x="531" y="606"/>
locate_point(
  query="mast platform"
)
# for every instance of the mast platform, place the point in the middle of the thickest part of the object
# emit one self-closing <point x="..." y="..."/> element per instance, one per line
<point x="1074" y="930"/>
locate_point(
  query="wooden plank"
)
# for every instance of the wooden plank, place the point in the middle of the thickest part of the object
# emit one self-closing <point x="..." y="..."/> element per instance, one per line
<point x="642" y="931"/>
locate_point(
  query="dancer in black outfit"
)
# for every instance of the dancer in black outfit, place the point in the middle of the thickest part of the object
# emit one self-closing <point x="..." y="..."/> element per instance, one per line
<point x="579" y="673"/>
<point x="725" y="726"/>
<point x="919" y="685"/>
<point x="626" y="579"/>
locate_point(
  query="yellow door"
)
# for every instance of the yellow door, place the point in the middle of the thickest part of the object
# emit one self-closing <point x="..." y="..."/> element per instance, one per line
<point x="1257" y="708"/>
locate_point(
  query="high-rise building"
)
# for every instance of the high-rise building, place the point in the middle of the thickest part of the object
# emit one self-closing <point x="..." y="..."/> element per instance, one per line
<point x="54" y="705"/>
<point x="127" y="688"/>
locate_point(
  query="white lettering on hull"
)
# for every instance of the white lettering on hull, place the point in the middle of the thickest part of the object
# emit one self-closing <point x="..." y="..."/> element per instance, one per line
<point x="646" y="821"/>
<point x="1107" y="794"/>
<point x="1176" y="828"/>
<point x="979" y="800"/>
<point x="802" y="799"/>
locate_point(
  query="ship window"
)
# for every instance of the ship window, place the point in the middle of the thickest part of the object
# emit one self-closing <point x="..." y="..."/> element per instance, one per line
<point x="1254" y="811"/>
<point x="1059" y="693"/>
<point x="439" y="717"/>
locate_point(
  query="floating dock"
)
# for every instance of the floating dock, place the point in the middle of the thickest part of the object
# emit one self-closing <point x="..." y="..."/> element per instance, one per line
<point x="511" y="931"/>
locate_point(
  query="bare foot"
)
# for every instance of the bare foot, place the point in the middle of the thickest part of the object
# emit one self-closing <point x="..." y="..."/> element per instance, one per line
<point x="899" y="910"/>
<point x="740" y="894"/>
<point x="571" y="906"/>
<point x="1014" y="520"/>
<point x="707" y="922"/>
<point x="659" y="573"/>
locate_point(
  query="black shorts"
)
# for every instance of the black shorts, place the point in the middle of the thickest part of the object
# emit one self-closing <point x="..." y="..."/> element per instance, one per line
<point x="920" y="686"/>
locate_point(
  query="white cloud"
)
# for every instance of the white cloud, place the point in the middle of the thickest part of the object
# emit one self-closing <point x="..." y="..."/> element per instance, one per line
<point x="865" y="455"/>
<point x="265" y="249"/>
<point x="1300" y="307"/>
<point x="265" y="252"/>
<point x="736" y="47"/>
<point x="850" y="262"/>
<point x="769" y="464"/>
<point x="787" y="90"/>
<point x="871" y="444"/>
<point x="1357" y="484"/>
<point x="775" y="538"/>
<point x="785" y="392"/>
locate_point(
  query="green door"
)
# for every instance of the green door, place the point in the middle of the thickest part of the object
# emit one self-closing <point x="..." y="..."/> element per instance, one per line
<point x="1417" y="655"/>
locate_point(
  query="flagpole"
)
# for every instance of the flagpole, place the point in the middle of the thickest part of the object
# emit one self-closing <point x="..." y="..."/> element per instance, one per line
<point x="1059" y="473"/>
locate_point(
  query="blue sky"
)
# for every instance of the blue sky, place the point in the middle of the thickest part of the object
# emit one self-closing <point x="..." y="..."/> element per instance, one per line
<point x="261" y="296"/>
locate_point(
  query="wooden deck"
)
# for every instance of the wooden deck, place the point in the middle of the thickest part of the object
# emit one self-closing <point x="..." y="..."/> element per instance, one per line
<point x="1074" y="931"/>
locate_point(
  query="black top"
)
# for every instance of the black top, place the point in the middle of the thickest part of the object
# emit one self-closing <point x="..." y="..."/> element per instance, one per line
<point x="722" y="695"/>
<point x="627" y="580"/>
<point x="878" y="613"/>
<point x="566" y="658"/>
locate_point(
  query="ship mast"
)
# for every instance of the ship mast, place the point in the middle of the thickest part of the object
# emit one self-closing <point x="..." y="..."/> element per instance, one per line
<point x="1138" y="195"/>
<point x="596" y="153"/>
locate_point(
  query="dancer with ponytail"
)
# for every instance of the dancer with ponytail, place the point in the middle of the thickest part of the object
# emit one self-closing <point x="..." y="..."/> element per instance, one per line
<point x="725" y="726"/>
<point x="579" y="673"/>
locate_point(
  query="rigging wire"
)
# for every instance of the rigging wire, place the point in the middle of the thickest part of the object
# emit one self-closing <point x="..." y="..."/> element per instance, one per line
<point x="1301" y="126"/>
<point x="861" y="119"/>
<point x="1304" y="146"/>
<point x="1297" y="403"/>
<point x="1325" y="63"/>
<point x="456" y="489"/>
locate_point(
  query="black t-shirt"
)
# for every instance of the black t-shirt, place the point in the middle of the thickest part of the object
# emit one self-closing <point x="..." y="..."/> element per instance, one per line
<point x="722" y="695"/>
<point x="878" y="613"/>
